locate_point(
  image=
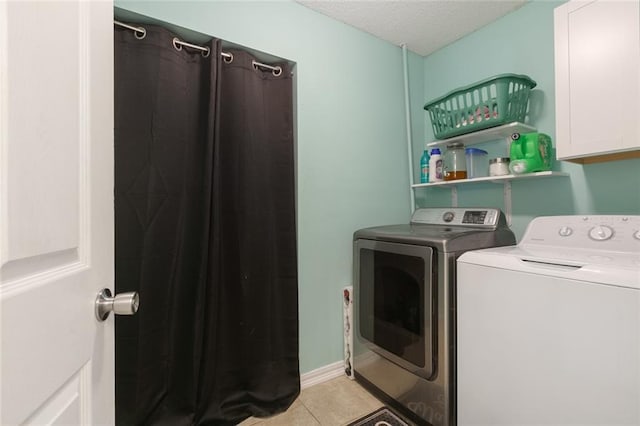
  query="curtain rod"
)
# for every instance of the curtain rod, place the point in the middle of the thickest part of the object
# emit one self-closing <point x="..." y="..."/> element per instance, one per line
<point x="141" y="33"/>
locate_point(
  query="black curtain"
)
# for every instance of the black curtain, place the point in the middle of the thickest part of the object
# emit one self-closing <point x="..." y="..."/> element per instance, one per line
<point x="205" y="232"/>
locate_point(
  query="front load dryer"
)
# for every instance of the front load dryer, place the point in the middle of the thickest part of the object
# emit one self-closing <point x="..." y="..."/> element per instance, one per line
<point x="549" y="330"/>
<point x="404" y="286"/>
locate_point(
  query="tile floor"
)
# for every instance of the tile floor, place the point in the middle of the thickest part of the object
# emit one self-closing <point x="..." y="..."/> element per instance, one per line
<point x="336" y="402"/>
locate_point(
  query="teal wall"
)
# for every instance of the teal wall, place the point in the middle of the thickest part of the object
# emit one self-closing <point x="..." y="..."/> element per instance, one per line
<point x="522" y="43"/>
<point x="351" y="139"/>
<point x="352" y="168"/>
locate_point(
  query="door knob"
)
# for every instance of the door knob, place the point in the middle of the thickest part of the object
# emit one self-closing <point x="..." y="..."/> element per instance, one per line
<point x="120" y="304"/>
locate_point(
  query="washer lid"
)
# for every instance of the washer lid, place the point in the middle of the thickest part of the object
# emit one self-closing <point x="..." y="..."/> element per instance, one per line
<point x="580" y="265"/>
<point x="598" y="249"/>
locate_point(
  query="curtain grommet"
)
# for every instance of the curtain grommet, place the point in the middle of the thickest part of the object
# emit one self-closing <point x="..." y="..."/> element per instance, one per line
<point x="228" y="59"/>
<point x="176" y="44"/>
<point x="140" y="33"/>
<point x="276" y="71"/>
<point x="206" y="53"/>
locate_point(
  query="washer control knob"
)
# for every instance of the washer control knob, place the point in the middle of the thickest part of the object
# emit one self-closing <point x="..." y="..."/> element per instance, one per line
<point x="448" y="216"/>
<point x="636" y="235"/>
<point x="600" y="233"/>
<point x="565" y="231"/>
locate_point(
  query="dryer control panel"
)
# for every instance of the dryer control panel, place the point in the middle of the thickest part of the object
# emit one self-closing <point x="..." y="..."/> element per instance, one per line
<point x="474" y="217"/>
<point x="619" y="233"/>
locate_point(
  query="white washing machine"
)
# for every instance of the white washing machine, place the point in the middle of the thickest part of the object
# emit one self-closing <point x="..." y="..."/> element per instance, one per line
<point x="549" y="330"/>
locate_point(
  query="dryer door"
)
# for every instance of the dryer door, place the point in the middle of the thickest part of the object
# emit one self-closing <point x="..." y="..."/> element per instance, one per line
<point x="394" y="286"/>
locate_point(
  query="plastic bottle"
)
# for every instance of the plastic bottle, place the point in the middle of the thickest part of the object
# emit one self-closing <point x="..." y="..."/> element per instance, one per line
<point x="435" y="166"/>
<point x="424" y="167"/>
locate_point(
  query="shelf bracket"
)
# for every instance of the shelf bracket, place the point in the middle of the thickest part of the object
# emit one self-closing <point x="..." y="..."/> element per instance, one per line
<point x="454" y="196"/>
<point x="506" y="192"/>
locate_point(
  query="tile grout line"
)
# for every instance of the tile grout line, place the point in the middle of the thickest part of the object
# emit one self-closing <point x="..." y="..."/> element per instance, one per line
<point x="310" y="412"/>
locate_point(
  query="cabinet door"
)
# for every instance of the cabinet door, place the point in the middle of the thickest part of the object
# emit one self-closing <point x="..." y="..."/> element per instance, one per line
<point x="597" y="72"/>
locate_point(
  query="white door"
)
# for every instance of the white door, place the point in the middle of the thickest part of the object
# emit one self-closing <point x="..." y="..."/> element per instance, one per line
<point x="56" y="211"/>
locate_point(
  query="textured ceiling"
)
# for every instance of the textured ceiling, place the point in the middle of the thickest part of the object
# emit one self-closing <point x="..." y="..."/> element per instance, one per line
<point x="423" y="25"/>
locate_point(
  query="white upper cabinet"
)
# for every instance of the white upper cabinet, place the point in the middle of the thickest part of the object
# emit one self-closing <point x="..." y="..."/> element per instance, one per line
<point x="597" y="73"/>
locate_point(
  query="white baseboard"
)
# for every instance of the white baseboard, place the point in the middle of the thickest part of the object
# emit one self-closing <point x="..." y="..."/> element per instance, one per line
<point x="322" y="374"/>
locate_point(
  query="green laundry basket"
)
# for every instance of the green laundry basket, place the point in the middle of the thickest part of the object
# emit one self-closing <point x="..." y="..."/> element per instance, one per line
<point x="491" y="102"/>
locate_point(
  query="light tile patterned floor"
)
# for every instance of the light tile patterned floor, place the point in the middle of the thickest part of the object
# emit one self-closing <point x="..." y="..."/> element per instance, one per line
<point x="336" y="402"/>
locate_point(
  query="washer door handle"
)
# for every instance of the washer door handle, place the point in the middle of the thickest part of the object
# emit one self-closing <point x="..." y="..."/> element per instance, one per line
<point x="121" y="304"/>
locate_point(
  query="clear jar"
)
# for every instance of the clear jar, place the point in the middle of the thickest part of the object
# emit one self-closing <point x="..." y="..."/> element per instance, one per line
<point x="455" y="162"/>
<point x="499" y="166"/>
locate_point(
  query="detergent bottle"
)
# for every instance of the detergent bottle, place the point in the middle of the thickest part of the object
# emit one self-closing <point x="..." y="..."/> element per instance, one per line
<point x="435" y="166"/>
<point x="424" y="167"/>
<point x="530" y="152"/>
